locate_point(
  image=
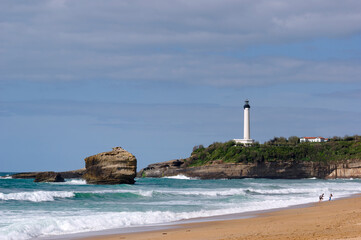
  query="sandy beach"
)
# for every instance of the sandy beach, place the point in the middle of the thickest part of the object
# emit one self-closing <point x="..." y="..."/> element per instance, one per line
<point x="338" y="219"/>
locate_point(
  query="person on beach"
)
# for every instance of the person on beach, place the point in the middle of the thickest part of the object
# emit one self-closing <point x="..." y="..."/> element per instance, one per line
<point x="321" y="197"/>
<point x="329" y="199"/>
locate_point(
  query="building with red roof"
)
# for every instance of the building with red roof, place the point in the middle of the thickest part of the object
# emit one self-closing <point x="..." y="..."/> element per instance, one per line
<point x="313" y="139"/>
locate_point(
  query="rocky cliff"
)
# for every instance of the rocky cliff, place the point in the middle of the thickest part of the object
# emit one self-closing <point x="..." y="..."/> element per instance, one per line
<point x="348" y="169"/>
<point x="114" y="167"/>
<point x="274" y="169"/>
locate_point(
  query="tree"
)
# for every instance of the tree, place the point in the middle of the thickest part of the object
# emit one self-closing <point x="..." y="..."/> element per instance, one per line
<point x="293" y="140"/>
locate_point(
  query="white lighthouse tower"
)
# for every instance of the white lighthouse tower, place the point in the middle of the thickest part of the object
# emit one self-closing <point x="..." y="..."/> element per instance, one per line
<point x="246" y="126"/>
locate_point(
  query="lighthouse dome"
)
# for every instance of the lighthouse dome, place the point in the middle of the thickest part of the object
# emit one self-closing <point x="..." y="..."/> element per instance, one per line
<point x="246" y="104"/>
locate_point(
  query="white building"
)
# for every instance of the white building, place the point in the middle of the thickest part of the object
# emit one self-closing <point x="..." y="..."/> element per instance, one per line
<point x="313" y="139"/>
<point x="246" y="126"/>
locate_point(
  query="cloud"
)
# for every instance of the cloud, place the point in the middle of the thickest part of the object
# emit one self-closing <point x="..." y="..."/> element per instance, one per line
<point x="119" y="115"/>
<point x="177" y="41"/>
<point x="198" y="24"/>
<point x="350" y="94"/>
<point x="192" y="70"/>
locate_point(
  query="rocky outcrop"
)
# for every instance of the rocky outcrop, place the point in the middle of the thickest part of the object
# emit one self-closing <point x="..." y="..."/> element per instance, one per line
<point x="73" y="174"/>
<point x="274" y="169"/>
<point x="25" y="175"/>
<point x="114" y="167"/>
<point x="68" y="174"/>
<point x="48" y="177"/>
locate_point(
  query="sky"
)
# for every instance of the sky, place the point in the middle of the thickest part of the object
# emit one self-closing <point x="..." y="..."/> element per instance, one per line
<point x="79" y="77"/>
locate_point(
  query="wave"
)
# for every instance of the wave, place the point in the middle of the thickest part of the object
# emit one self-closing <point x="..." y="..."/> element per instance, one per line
<point x="71" y="182"/>
<point x="280" y="191"/>
<point x="143" y="193"/>
<point x="42" y="196"/>
<point x="155" y="193"/>
<point x="113" y="194"/>
<point x="37" y="196"/>
<point x="58" y="224"/>
<point x="210" y="193"/>
<point x="181" y="176"/>
<point x="186" y="192"/>
<point x="6" y="177"/>
<point x="45" y="196"/>
<point x="53" y="225"/>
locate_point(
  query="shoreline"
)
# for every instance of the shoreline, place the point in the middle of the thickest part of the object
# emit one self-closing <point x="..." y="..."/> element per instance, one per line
<point x="97" y="235"/>
<point x="171" y="225"/>
<point x="336" y="219"/>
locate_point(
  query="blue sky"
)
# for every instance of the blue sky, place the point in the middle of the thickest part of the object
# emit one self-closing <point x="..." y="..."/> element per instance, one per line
<point x="158" y="77"/>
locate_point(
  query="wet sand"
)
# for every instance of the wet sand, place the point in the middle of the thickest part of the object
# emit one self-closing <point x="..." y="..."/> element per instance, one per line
<point x="339" y="219"/>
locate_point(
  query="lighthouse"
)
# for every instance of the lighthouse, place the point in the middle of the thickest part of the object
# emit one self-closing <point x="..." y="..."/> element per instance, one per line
<point x="246" y="126"/>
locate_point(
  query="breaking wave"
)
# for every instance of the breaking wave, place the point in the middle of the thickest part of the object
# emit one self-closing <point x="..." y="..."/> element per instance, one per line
<point x="181" y="176"/>
<point x="5" y="177"/>
<point x="37" y="196"/>
<point x="71" y="182"/>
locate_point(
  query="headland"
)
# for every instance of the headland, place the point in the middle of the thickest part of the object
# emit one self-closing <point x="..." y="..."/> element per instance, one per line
<point x="279" y="158"/>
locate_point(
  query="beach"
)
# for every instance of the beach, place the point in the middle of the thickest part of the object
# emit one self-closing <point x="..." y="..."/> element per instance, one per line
<point x="338" y="219"/>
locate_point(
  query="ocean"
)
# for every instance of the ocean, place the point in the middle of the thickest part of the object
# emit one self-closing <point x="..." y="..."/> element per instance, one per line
<point x="31" y="210"/>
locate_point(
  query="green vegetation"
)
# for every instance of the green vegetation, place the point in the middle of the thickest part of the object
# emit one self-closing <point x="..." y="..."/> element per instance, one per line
<point x="278" y="149"/>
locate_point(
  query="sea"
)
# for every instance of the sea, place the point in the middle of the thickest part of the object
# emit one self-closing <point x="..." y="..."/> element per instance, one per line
<point x="31" y="210"/>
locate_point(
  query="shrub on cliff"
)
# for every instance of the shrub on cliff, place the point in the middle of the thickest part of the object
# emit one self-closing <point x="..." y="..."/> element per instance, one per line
<point x="279" y="149"/>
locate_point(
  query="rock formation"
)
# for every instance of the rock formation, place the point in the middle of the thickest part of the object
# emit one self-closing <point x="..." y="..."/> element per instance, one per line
<point x="114" y="167"/>
<point x="48" y="177"/>
<point x="348" y="169"/>
<point x="68" y="174"/>
<point x="274" y="169"/>
<point x="25" y="175"/>
<point x="73" y="174"/>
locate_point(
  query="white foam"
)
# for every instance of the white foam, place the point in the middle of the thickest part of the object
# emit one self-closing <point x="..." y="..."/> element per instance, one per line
<point x="58" y="224"/>
<point x="6" y="177"/>
<point x="181" y="176"/>
<point x="202" y="192"/>
<point x="36" y="196"/>
<point x="185" y="192"/>
<point x="144" y="193"/>
<point x="282" y="191"/>
<point x="71" y="182"/>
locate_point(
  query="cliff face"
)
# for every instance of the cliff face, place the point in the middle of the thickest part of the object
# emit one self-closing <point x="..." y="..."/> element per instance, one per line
<point x="274" y="169"/>
<point x="114" y="167"/>
<point x="349" y="169"/>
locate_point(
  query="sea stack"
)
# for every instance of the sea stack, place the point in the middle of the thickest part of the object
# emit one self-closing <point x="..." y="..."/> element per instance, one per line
<point x="115" y="167"/>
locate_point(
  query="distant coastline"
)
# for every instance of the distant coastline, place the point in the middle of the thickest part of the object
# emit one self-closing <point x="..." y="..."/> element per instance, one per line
<point x="279" y="158"/>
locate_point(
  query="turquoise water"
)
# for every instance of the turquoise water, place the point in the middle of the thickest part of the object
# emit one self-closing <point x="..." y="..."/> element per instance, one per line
<point x="30" y="210"/>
